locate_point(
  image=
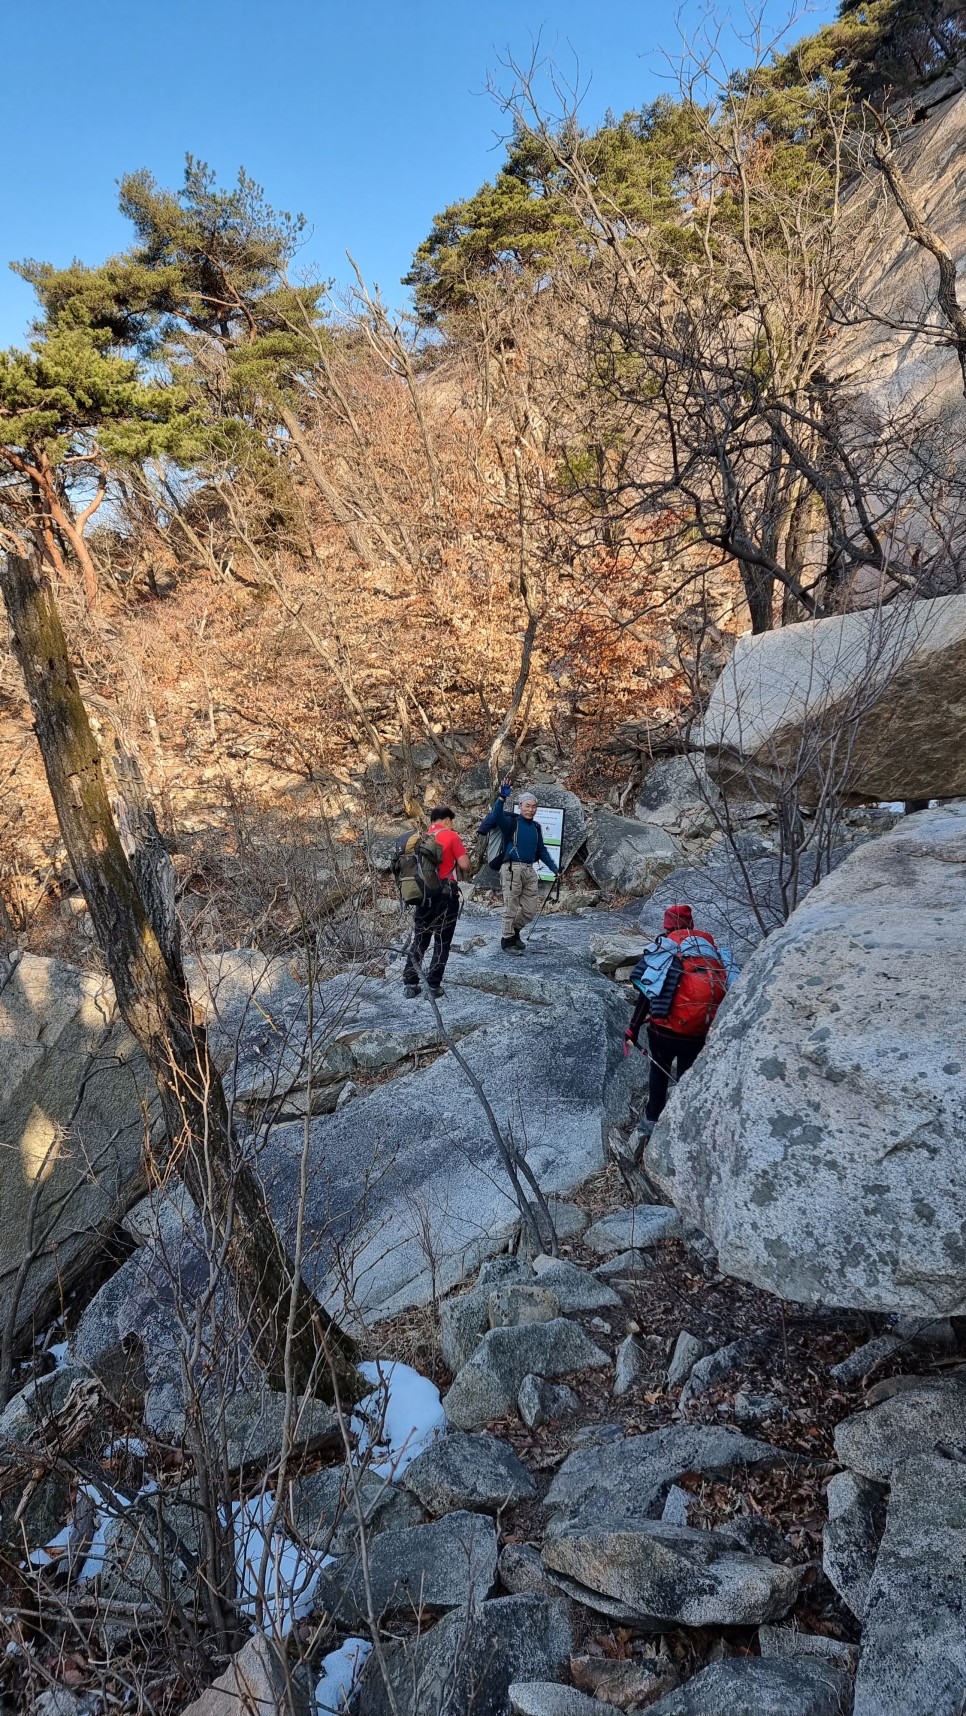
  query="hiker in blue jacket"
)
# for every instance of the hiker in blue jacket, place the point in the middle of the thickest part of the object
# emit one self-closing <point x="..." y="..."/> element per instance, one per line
<point x="523" y="848"/>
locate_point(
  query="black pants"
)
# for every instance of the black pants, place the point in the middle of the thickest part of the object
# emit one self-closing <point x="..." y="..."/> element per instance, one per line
<point x="664" y="1048"/>
<point x="434" y="922"/>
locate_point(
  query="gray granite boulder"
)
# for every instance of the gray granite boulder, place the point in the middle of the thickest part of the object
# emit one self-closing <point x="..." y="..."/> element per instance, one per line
<point x="573" y="1288"/>
<point x="818" y="1138"/>
<point x="549" y="1698"/>
<point x="628" y="857"/>
<point x="851" y="1537"/>
<point x="465" y="1317"/>
<point x="635" y="1473"/>
<point x="541" y="1402"/>
<point x="460" y="1471"/>
<point x="914" y="1420"/>
<point x="633" y="1229"/>
<point x="448" y="1564"/>
<point x="488" y="1386"/>
<point x="654" y="1573"/>
<point x="760" y="1686"/>
<point x="688" y="1349"/>
<point x="467" y="1663"/>
<point x="325" y="1507"/>
<point x="913" y="1658"/>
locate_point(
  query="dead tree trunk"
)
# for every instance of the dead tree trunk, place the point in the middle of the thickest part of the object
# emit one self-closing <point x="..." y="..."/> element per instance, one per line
<point x="293" y="1337"/>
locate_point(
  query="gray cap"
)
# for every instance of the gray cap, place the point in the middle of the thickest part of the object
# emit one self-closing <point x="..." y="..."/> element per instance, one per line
<point x="528" y="798"/>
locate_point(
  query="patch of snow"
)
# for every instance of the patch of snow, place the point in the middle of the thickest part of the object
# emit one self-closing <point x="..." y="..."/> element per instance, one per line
<point x="285" y="1577"/>
<point x="126" y="1445"/>
<point x="401" y="1417"/>
<point x="340" y="1671"/>
<point x="58" y="1352"/>
<point x="97" y="1551"/>
<point x="897" y="806"/>
<point x="43" y="1557"/>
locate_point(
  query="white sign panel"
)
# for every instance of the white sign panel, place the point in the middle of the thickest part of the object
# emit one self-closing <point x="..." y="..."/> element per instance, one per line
<point x="551" y="821"/>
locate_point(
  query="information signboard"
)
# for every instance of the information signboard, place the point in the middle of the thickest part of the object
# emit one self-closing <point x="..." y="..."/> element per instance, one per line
<point x="551" y="821"/>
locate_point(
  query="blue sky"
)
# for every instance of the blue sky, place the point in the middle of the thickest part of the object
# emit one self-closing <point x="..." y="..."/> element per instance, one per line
<point x="366" y="118"/>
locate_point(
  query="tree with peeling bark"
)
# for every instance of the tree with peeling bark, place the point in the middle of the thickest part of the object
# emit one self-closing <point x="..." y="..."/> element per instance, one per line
<point x="123" y="875"/>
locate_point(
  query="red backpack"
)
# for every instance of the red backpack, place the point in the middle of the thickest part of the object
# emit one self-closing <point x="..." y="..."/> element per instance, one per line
<point x="701" y="987"/>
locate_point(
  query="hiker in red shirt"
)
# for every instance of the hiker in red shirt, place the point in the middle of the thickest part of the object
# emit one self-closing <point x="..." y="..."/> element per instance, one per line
<point x="435" y="920"/>
<point x="682" y="981"/>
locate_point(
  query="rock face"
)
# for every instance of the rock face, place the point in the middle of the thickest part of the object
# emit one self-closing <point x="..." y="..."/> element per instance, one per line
<point x="895" y="677"/>
<point x="913" y="1658"/>
<point x="818" y="1138"/>
<point x="629" y="857"/>
<point x="71" y="1124"/>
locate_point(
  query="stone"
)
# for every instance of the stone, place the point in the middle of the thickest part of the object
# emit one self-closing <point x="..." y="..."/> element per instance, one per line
<point x="865" y="1358"/>
<point x="518" y="1304"/>
<point x="912" y="1421"/>
<point x="256" y="1682"/>
<point x="323" y="1507"/>
<point x="931" y="1334"/>
<point x="755" y="1408"/>
<point x="850" y="1539"/>
<point x="633" y="1229"/>
<point x="460" y="1471"/>
<point x="628" y="857"/>
<point x="634" y="1474"/>
<point x="676" y="1504"/>
<point x="522" y="1571"/>
<point x="573" y="1288"/>
<point x="913" y="1658"/>
<point x="549" y="1698"/>
<point x="626" y="1265"/>
<point x="467" y="1663"/>
<point x="819" y="1136"/>
<point x="666" y="1574"/>
<point x="707" y="1372"/>
<point x="569" y="1219"/>
<point x="626" y="1682"/>
<point x="248" y="1429"/>
<point x="541" y="1402"/>
<point x="75" y="1101"/>
<point x="678" y="794"/>
<point x="788" y="1642"/>
<point x="688" y="1349"/>
<point x="61" y="1701"/>
<point x="448" y="1564"/>
<point x="895" y="676"/>
<point x="631" y="1363"/>
<point x="465" y="1317"/>
<point x="760" y="1686"/>
<point x="616" y="954"/>
<point x="487" y="1387"/>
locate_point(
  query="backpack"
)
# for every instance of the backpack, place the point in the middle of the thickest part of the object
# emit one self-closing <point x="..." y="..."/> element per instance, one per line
<point x="700" y="988"/>
<point x="415" y="863"/>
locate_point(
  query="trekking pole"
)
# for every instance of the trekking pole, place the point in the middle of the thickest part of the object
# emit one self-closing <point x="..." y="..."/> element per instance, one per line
<point x="548" y="896"/>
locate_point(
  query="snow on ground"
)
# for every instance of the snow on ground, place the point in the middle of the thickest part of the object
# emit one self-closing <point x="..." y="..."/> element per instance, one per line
<point x="340" y="1671"/>
<point x="269" y="1565"/>
<point x="400" y="1418"/>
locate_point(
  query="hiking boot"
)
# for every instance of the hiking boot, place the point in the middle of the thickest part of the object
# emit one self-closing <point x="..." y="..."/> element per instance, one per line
<point x="436" y="991"/>
<point x="512" y="943"/>
<point x="411" y="991"/>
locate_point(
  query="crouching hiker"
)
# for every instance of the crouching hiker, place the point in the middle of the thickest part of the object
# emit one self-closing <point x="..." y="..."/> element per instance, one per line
<point x="427" y="867"/>
<point x="681" y="979"/>
<point x="520" y="848"/>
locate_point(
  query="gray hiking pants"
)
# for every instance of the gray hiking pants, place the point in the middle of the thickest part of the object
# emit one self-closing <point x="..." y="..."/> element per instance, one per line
<point x="521" y="897"/>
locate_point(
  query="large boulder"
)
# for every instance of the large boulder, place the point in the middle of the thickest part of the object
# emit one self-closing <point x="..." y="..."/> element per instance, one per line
<point x="75" y="1102"/>
<point x="574" y="826"/>
<point x="878" y="695"/>
<point x="818" y="1138"/>
<point x="913" y="1658"/>
<point x="757" y="1686"/>
<point x="628" y="857"/>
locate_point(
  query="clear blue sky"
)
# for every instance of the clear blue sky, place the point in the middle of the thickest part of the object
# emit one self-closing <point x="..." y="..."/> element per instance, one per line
<point x="368" y="118"/>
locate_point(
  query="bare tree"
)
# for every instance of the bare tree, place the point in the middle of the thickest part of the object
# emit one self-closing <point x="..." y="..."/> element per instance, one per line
<point x="123" y="874"/>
